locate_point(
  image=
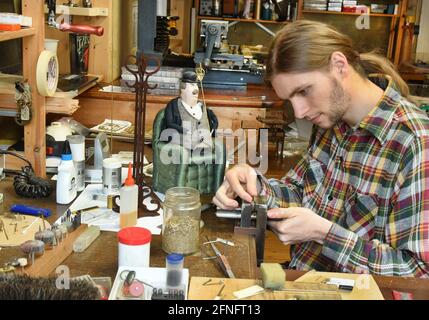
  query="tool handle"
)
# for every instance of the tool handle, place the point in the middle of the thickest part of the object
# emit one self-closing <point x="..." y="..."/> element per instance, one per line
<point x="82" y="29"/>
<point x="227" y="267"/>
<point x="20" y="208"/>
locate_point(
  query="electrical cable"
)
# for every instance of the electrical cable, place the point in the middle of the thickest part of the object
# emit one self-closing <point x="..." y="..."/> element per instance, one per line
<point x="25" y="182"/>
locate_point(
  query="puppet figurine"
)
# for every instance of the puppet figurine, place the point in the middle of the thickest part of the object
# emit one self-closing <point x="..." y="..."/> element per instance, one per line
<point x="190" y="118"/>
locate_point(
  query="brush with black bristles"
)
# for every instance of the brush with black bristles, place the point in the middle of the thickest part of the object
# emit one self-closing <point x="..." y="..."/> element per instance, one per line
<point x="16" y="287"/>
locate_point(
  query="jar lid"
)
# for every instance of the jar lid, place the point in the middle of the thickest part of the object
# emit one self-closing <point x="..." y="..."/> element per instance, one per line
<point x="112" y="163"/>
<point x="174" y="258"/>
<point x="134" y="236"/>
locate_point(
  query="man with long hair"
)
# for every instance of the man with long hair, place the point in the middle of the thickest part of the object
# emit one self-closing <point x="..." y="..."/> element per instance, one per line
<point x="358" y="200"/>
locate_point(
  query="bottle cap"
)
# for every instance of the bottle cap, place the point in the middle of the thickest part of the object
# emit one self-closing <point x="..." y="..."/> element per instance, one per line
<point x="129" y="181"/>
<point x="66" y="154"/>
<point x="134" y="236"/>
<point x="174" y="258"/>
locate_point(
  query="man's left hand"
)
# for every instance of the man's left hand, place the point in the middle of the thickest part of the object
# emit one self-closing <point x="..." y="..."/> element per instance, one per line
<point x="298" y="225"/>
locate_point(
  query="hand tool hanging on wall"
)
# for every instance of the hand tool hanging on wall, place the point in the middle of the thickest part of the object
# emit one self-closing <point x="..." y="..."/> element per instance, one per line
<point x="67" y="27"/>
<point x="24" y="101"/>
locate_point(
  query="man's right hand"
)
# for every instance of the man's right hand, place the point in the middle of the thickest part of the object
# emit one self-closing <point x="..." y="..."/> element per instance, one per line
<point x="239" y="181"/>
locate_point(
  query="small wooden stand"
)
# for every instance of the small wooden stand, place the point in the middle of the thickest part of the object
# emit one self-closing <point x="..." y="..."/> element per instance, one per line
<point x="45" y="265"/>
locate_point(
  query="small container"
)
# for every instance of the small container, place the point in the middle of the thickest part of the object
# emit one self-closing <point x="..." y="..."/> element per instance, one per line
<point x="134" y="247"/>
<point x="66" y="180"/>
<point x="174" y="266"/>
<point x="182" y="215"/>
<point x="77" y="145"/>
<point x="112" y="175"/>
<point x="129" y="195"/>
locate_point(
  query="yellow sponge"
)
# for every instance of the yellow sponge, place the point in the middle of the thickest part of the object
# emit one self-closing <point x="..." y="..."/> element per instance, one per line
<point x="273" y="276"/>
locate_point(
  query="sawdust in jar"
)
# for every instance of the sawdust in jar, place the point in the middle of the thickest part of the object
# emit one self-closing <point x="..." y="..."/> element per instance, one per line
<point x="181" y="235"/>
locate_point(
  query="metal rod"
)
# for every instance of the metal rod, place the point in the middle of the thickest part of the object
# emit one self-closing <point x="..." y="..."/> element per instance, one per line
<point x="260" y="25"/>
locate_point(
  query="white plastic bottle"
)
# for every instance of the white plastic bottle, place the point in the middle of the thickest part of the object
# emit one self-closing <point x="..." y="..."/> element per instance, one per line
<point x="129" y="195"/>
<point x="66" y="181"/>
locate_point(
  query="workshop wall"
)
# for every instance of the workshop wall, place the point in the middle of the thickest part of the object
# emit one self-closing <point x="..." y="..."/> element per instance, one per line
<point x="129" y="29"/>
<point x="423" y="43"/>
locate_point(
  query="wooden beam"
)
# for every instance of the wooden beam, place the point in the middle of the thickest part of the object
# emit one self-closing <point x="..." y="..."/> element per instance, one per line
<point x="34" y="132"/>
<point x="402" y="17"/>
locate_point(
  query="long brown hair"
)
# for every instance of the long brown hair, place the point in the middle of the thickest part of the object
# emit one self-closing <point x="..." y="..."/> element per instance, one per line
<point x="304" y="46"/>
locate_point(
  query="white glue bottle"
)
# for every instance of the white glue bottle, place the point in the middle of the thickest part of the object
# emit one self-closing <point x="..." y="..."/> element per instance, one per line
<point x="66" y="181"/>
<point x="129" y="195"/>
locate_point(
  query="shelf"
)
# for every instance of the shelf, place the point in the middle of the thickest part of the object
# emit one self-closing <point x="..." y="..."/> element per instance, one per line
<point x="67" y="106"/>
<point x="10" y="35"/>
<point x="242" y="20"/>
<point x="348" y="13"/>
<point x="80" y="11"/>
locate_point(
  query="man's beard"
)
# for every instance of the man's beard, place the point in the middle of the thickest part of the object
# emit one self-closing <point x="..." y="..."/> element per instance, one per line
<point x="339" y="100"/>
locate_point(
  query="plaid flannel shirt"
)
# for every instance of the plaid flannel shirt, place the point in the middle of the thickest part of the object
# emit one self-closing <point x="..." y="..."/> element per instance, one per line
<point x="372" y="182"/>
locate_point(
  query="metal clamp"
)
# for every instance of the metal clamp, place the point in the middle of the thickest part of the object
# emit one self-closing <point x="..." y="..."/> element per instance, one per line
<point x="259" y="209"/>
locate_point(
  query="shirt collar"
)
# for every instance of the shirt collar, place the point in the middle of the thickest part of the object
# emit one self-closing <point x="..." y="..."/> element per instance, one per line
<point x="379" y="119"/>
<point x="199" y="104"/>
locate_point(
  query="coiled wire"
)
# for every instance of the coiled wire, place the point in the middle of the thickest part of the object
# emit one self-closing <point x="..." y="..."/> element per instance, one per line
<point x="26" y="183"/>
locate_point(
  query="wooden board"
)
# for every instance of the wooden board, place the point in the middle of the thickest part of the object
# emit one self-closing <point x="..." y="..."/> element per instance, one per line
<point x="365" y="286"/>
<point x="198" y="291"/>
<point x="45" y="265"/>
<point x="22" y="222"/>
<point x="34" y="132"/>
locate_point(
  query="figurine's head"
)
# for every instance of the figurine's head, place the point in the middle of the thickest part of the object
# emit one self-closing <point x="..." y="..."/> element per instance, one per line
<point x="189" y="88"/>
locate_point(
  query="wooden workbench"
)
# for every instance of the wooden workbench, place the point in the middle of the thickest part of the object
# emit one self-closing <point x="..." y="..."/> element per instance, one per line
<point x="100" y="259"/>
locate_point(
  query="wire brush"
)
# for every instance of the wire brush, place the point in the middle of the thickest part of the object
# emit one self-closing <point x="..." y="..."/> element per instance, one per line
<point x="17" y="287"/>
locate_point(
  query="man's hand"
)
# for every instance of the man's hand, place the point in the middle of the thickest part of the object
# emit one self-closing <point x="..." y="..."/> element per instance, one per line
<point x="298" y="225"/>
<point x="239" y="181"/>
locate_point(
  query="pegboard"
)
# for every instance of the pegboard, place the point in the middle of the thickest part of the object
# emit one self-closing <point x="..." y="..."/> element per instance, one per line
<point x="205" y="7"/>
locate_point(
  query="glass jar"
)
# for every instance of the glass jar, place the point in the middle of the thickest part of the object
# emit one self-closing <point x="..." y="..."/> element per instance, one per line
<point x="182" y="215"/>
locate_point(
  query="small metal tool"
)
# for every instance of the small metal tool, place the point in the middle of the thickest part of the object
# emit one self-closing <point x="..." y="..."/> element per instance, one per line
<point x="223" y="261"/>
<point x="26" y="229"/>
<point x="259" y="209"/>
<point x="211" y="283"/>
<point x="4" y="229"/>
<point x="218" y="296"/>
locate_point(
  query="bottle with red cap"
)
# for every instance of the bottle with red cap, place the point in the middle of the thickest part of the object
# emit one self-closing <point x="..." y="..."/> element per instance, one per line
<point x="129" y="195"/>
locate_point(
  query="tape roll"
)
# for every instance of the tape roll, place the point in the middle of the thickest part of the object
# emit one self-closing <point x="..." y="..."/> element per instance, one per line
<point x="47" y="73"/>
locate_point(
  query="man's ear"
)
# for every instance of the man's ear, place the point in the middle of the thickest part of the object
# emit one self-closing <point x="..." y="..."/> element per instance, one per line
<point x="339" y="65"/>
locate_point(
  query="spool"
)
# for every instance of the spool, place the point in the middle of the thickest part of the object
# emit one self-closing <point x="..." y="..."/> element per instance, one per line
<point x="47" y="72"/>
